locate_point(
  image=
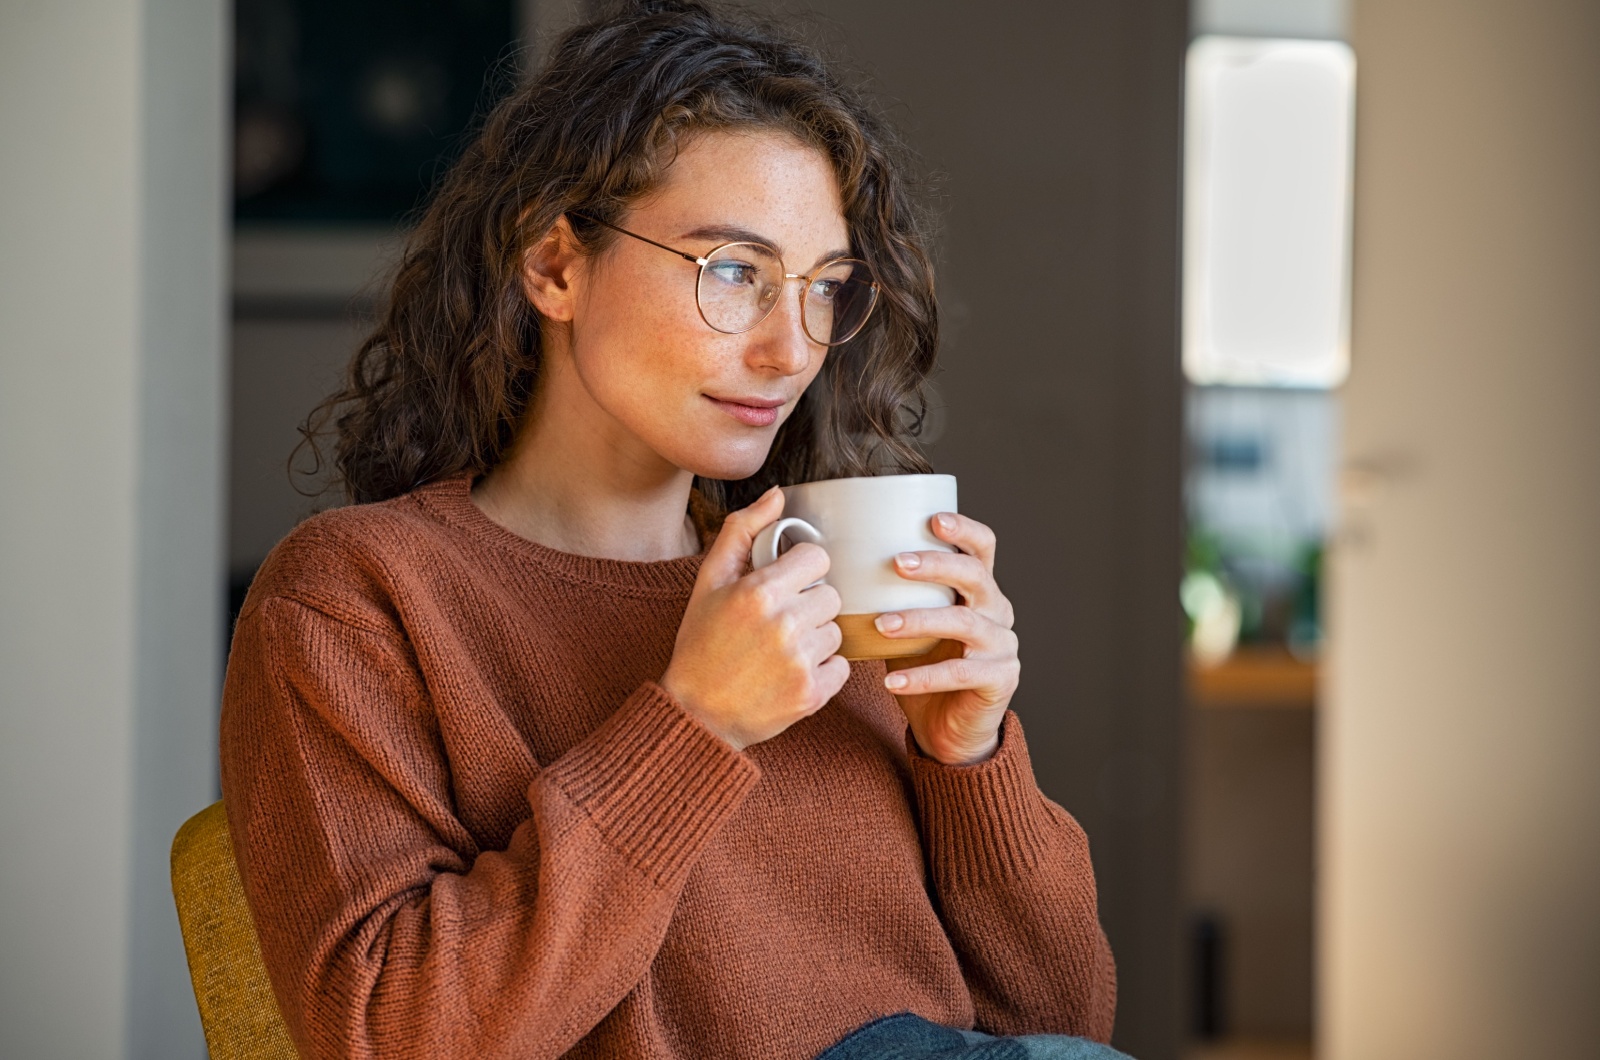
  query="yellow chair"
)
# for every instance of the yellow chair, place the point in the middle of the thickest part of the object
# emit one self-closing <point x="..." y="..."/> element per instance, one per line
<point x="237" y="1008"/>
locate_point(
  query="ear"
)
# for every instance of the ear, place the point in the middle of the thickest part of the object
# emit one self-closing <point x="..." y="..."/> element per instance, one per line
<point x="550" y="272"/>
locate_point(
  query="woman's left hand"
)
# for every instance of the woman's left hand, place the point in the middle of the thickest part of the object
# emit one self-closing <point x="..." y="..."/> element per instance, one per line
<point x="956" y="696"/>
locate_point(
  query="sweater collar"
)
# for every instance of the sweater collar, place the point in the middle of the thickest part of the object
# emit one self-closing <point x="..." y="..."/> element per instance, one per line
<point x="450" y="500"/>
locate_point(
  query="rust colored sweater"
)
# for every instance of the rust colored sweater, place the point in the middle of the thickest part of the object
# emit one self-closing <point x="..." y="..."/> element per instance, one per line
<point x="470" y="823"/>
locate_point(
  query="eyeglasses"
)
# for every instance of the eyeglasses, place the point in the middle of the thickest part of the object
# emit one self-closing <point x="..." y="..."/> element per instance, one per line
<point x="740" y="284"/>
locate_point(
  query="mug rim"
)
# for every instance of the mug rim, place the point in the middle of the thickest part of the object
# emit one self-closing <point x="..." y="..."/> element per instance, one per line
<point x="867" y="478"/>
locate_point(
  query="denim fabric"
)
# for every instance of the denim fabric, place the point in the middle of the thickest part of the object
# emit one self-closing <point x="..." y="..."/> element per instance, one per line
<point x="908" y="1037"/>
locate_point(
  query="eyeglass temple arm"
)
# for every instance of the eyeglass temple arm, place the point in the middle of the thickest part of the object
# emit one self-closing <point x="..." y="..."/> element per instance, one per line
<point x="643" y="239"/>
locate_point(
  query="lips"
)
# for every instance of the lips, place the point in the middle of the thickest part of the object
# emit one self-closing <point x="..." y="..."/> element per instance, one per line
<point x="750" y="411"/>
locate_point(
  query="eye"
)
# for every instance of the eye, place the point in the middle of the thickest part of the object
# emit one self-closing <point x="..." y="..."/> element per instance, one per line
<point x="826" y="290"/>
<point x="733" y="273"/>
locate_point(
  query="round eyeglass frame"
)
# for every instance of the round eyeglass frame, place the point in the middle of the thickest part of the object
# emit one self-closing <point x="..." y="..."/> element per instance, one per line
<point x="702" y="262"/>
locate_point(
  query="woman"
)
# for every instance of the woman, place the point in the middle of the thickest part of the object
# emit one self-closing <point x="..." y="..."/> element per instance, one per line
<point x="518" y="757"/>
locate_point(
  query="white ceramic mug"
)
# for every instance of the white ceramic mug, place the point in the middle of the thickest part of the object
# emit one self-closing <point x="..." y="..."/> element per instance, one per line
<point x="863" y="523"/>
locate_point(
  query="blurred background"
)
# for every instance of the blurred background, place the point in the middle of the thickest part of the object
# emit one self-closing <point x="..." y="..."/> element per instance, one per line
<point x="1272" y="354"/>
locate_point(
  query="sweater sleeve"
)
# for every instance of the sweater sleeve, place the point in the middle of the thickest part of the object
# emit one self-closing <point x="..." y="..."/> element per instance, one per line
<point x="1012" y="873"/>
<point x="385" y="930"/>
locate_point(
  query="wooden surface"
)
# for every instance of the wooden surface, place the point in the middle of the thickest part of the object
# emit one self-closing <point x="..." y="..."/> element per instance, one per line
<point x="1260" y="677"/>
<point x="863" y="641"/>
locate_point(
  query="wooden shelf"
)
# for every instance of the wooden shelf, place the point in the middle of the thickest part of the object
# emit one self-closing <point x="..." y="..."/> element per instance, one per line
<point x="1254" y="677"/>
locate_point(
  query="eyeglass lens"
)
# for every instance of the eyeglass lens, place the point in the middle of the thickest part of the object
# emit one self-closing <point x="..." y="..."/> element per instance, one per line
<point x="741" y="283"/>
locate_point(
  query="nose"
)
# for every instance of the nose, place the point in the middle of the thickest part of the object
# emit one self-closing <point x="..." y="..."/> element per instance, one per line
<point x="780" y="342"/>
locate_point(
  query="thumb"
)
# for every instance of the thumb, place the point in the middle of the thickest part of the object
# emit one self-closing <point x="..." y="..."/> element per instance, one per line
<point x="730" y="553"/>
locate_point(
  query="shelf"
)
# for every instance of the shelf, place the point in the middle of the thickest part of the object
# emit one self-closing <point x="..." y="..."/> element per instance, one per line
<point x="1254" y="677"/>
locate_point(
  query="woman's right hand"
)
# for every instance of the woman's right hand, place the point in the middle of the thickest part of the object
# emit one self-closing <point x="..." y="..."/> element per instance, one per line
<point x="756" y="652"/>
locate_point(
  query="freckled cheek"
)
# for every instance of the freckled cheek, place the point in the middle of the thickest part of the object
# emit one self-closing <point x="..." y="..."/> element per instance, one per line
<point x="662" y="375"/>
<point x="641" y="336"/>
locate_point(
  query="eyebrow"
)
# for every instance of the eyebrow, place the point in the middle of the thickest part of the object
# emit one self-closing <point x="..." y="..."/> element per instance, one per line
<point x="735" y="234"/>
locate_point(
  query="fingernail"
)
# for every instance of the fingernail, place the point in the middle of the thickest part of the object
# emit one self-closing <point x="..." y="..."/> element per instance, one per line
<point x="908" y="560"/>
<point x="946" y="522"/>
<point x="895" y="681"/>
<point x="889" y="622"/>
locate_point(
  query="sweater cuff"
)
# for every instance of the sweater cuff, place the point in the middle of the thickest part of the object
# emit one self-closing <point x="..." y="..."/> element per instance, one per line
<point x="984" y="821"/>
<point x="655" y="782"/>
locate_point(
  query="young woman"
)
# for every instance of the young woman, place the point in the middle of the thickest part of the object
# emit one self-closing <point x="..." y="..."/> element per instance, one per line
<point x="519" y="757"/>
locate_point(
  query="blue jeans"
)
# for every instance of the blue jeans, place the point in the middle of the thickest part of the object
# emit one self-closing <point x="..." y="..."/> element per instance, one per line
<point x="908" y="1037"/>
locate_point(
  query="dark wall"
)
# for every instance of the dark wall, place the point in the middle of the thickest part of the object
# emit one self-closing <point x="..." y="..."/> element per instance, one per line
<point x="1056" y="128"/>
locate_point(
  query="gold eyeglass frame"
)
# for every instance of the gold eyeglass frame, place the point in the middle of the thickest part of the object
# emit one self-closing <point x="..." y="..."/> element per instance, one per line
<point x="702" y="262"/>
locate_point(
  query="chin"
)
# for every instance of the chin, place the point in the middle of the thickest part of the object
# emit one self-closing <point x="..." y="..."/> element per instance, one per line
<point x="720" y="459"/>
<point x="728" y="470"/>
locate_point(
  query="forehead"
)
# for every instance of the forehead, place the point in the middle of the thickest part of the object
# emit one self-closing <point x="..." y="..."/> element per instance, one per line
<point x="767" y="182"/>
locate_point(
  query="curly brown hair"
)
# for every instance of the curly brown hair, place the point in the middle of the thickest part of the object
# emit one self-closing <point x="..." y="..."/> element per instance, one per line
<point x="441" y="384"/>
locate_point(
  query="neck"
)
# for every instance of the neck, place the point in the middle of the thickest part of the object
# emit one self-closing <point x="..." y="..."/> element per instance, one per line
<point x="577" y="481"/>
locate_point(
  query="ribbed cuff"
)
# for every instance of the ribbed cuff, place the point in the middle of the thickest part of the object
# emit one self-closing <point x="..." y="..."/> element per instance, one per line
<point x="983" y="821"/>
<point x="655" y="782"/>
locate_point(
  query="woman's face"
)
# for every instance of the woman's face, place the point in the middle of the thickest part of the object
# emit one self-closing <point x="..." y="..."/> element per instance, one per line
<point x="700" y="400"/>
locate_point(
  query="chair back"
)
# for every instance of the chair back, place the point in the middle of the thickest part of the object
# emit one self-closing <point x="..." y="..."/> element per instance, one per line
<point x="237" y="1008"/>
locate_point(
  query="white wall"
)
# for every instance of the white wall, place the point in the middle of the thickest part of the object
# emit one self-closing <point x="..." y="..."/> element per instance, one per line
<point x="1460" y="840"/>
<point x="112" y="114"/>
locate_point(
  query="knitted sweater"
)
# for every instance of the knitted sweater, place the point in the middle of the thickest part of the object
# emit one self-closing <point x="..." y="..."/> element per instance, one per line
<point x="470" y="823"/>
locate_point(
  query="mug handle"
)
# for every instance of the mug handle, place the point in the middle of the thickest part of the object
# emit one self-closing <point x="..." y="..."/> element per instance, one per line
<point x="769" y="542"/>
